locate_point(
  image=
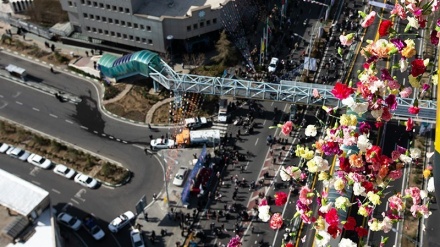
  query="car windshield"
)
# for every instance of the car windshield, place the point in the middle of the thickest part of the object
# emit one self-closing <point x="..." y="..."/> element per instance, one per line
<point x="20" y="153"/>
<point x="89" y="180"/>
<point x="65" y="171"/>
<point x="272" y="65"/>
<point x="72" y="221"/>
<point x="41" y="161"/>
<point x="138" y="243"/>
<point x="179" y="177"/>
<point x="95" y="229"/>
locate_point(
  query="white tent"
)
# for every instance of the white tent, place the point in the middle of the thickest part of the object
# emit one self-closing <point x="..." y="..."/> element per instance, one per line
<point x="310" y="64"/>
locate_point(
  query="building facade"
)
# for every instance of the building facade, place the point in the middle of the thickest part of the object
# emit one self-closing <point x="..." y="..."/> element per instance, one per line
<point x="156" y="25"/>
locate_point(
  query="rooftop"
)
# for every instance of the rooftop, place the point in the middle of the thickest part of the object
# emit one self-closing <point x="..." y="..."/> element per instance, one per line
<point x="179" y="8"/>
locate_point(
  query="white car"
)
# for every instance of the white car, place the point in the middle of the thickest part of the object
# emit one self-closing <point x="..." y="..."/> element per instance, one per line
<point x="161" y="143"/>
<point x="85" y="180"/>
<point x="121" y="221"/>
<point x="39" y="161"/>
<point x="64" y="171"/>
<point x="273" y="64"/>
<point x="69" y="221"/>
<point x="93" y="228"/>
<point x="18" y="153"/>
<point x="136" y="238"/>
<point x="180" y="176"/>
<point x="4" y="147"/>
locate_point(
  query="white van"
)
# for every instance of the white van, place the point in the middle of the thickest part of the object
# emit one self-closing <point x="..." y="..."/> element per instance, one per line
<point x="223" y="115"/>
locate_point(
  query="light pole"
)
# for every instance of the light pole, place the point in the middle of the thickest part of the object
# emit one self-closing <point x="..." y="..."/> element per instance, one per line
<point x="170" y="43"/>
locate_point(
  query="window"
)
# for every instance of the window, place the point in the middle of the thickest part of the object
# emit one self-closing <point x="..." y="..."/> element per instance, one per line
<point x="85" y="15"/>
<point x="202" y="24"/>
<point x="101" y="5"/>
<point x="104" y="18"/>
<point x="142" y="27"/>
<point x="195" y="26"/>
<point x="95" y="4"/>
<point x="110" y="20"/>
<point x="121" y="9"/>
<point x="214" y="21"/>
<point x="117" y="21"/>
<point x="135" y="25"/>
<point x="98" y="18"/>
<point x="144" y="40"/>
<point x="105" y="32"/>
<point x="94" y="29"/>
<point x="112" y="33"/>
<point x="131" y="37"/>
<point x="150" y="42"/>
<point x="92" y="17"/>
<point x="138" y="39"/>
<point x="125" y="36"/>
<point x="118" y="34"/>
<point x="83" y="1"/>
<point x="128" y="24"/>
<point x="188" y="28"/>
<point x="208" y="23"/>
<point x="88" y="29"/>
<point x="148" y="28"/>
<point x="70" y="3"/>
<point x="127" y="10"/>
<point x="107" y="6"/>
<point x="89" y="3"/>
<point x="123" y="23"/>
<point x="99" y="30"/>
<point x="114" y="8"/>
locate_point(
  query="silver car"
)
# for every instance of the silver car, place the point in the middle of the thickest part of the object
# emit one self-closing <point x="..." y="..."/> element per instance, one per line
<point x="18" y="153"/>
<point x="180" y="176"/>
<point x="64" y="171"/>
<point x="122" y="220"/>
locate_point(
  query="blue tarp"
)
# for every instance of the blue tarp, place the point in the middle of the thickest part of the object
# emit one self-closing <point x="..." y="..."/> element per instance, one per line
<point x="189" y="182"/>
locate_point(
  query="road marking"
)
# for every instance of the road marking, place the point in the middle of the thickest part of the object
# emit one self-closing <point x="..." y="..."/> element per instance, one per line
<point x="79" y="194"/>
<point x="54" y="116"/>
<point x="124" y="142"/>
<point x="4" y="104"/>
<point x="56" y="191"/>
<point x="103" y="134"/>
<point x="256" y="141"/>
<point x="83" y="127"/>
<point x="35" y="109"/>
<point x="16" y="95"/>
<point x="68" y="121"/>
<point x="18" y="103"/>
<point x="264" y="122"/>
<point x="34" y="171"/>
<point x="118" y="139"/>
<point x="73" y="200"/>
<point x="96" y="132"/>
<point x="111" y="137"/>
<point x="35" y="182"/>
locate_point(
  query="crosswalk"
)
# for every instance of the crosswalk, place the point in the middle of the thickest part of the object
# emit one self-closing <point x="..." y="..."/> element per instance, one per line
<point x="223" y="127"/>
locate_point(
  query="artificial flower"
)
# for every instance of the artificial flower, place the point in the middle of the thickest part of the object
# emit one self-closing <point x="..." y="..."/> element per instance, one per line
<point x="399" y="10"/>
<point x="361" y="232"/>
<point x="375" y="225"/>
<point x="410" y="50"/>
<point x="415" y="153"/>
<point x="311" y="130"/>
<point x="346" y="40"/>
<point x="287" y="128"/>
<point x="414" y="110"/>
<point x="264" y="213"/>
<point x="342" y="202"/>
<point x="358" y="189"/>
<point x="431" y="186"/>
<point x="403" y="64"/>
<point x="322" y="238"/>
<point x="350" y="224"/>
<point x="414" y="194"/>
<point x="276" y="221"/>
<point x="418" y="67"/>
<point x="345" y="242"/>
<point x="306" y="195"/>
<point x="373" y="198"/>
<point x="280" y="198"/>
<point x="235" y="241"/>
<point x="342" y="91"/>
<point x="409" y="124"/>
<point x="331" y="217"/>
<point x="406" y="92"/>
<point x="369" y="19"/>
<point x="385" y="27"/>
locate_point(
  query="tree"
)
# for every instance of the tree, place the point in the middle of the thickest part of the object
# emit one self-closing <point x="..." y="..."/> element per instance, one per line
<point x="225" y="51"/>
<point x="47" y="12"/>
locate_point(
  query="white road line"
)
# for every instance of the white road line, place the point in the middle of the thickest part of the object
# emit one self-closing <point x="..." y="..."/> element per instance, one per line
<point x="96" y="132"/>
<point x="103" y="134"/>
<point x="256" y="141"/>
<point x="73" y="200"/>
<point x="18" y="103"/>
<point x="124" y="142"/>
<point x="111" y="137"/>
<point x="264" y="122"/>
<point x="54" y="116"/>
<point x="56" y="191"/>
<point x="35" y="182"/>
<point x="35" y="109"/>
<point x="83" y="127"/>
<point x="68" y="121"/>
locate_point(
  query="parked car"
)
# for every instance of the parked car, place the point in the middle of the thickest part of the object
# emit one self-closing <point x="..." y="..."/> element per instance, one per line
<point x="136" y="238"/>
<point x="18" y="153"/>
<point x="64" y="171"/>
<point x="69" y="221"/>
<point x="273" y="64"/>
<point x="162" y="143"/>
<point x="39" y="161"/>
<point x="119" y="222"/>
<point x="180" y="176"/>
<point x="4" y="147"/>
<point x="93" y="228"/>
<point x="85" y="180"/>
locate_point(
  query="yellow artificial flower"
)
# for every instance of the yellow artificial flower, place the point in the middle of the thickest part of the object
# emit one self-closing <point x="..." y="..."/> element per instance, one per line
<point x="363" y="211"/>
<point x="426" y="173"/>
<point x="320" y="224"/>
<point x="415" y="83"/>
<point x="410" y="49"/>
<point x="323" y="176"/>
<point x="375" y="225"/>
<point x="339" y="184"/>
<point x="373" y="198"/>
<point x="311" y="164"/>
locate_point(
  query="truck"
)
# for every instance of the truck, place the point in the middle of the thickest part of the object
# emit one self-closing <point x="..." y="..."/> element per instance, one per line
<point x="196" y="123"/>
<point x="189" y="138"/>
<point x="223" y="115"/>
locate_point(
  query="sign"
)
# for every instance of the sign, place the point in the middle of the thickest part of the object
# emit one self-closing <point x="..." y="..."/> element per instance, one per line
<point x="381" y="5"/>
<point x="142" y="203"/>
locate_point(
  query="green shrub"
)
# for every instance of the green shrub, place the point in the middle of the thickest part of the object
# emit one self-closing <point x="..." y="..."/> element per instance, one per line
<point x="111" y="92"/>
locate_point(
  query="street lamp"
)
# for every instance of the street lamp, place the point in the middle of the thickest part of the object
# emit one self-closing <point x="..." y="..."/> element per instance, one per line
<point x="170" y="43"/>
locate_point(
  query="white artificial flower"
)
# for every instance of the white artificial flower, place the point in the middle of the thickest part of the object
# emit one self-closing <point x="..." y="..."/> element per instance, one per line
<point x="342" y="202"/>
<point x="405" y="159"/>
<point x="322" y="164"/>
<point x="423" y="194"/>
<point x="325" y="208"/>
<point x="311" y="130"/>
<point x="284" y="175"/>
<point x="348" y="101"/>
<point x="415" y="153"/>
<point x="403" y="64"/>
<point x="387" y="224"/>
<point x="413" y="22"/>
<point x="377" y="113"/>
<point x="263" y="213"/>
<point x="358" y="189"/>
<point x="431" y="187"/>
<point x="360" y="108"/>
<point x="323" y="239"/>
<point x="345" y="242"/>
<point x="363" y="143"/>
<point x="375" y="225"/>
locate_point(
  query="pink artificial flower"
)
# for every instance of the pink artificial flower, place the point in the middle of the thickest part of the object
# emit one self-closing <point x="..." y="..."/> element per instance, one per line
<point x="409" y="124"/>
<point x="395" y="155"/>
<point x="393" y="84"/>
<point x="235" y="241"/>
<point x="406" y="92"/>
<point x="386" y="115"/>
<point x="399" y="10"/>
<point x="391" y="102"/>
<point x="263" y="202"/>
<point x="306" y="219"/>
<point x="276" y="221"/>
<point x="420" y="210"/>
<point x="287" y="128"/>
<point x="434" y="38"/>
<point x="316" y="94"/>
<point x="425" y="87"/>
<point x="347" y="40"/>
<point x="369" y="19"/>
<point x="331" y="217"/>
<point x="305" y="195"/>
<point x="395" y="202"/>
<point x="303" y="176"/>
<point x="414" y="193"/>
<point x="395" y="174"/>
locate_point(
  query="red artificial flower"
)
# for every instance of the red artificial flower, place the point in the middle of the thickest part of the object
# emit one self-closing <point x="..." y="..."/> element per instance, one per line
<point x="342" y="91"/>
<point x="434" y="38"/>
<point x="414" y="110"/>
<point x="276" y="221"/>
<point x="362" y="232"/>
<point x="350" y="224"/>
<point x="373" y="154"/>
<point x="369" y="186"/>
<point x="384" y="27"/>
<point x="409" y="124"/>
<point x="289" y="244"/>
<point x="280" y="198"/>
<point x="333" y="230"/>
<point x="378" y="125"/>
<point x="386" y="114"/>
<point x="331" y="217"/>
<point x="417" y="67"/>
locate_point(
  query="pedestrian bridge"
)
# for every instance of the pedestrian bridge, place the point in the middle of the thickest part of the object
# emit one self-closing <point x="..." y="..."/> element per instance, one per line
<point x="149" y="64"/>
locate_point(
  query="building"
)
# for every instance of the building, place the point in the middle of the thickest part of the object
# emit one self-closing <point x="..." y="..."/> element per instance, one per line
<point x="156" y="25"/>
<point x="25" y="214"/>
